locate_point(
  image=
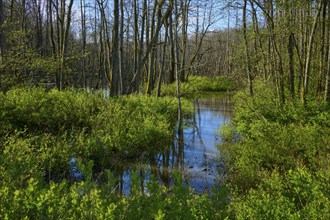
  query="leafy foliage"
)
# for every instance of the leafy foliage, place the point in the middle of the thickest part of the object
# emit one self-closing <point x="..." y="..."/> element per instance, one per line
<point x="279" y="167"/>
<point x="41" y="131"/>
<point x="88" y="201"/>
<point x="197" y="84"/>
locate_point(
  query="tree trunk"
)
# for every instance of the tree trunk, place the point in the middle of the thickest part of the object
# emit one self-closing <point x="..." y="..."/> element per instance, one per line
<point x="151" y="68"/>
<point x="291" y="44"/>
<point x="160" y="78"/>
<point x="136" y="35"/>
<point x="115" y="51"/>
<point x="152" y="41"/>
<point x="172" y="51"/>
<point x="323" y="48"/>
<point x="258" y="38"/>
<point x="83" y="41"/>
<point x="1" y="41"/>
<point x="309" y="54"/>
<point x="184" y="10"/>
<point x="177" y="61"/>
<point x="247" y="55"/>
<point x="121" y="49"/>
<point x="327" y="77"/>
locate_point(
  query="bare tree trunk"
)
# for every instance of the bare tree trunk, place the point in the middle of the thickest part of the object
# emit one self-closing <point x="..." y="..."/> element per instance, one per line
<point x="290" y="47"/>
<point x="136" y="35"/>
<point x="151" y="68"/>
<point x="1" y="41"/>
<point x="121" y="49"/>
<point x="323" y="48"/>
<point x="247" y="55"/>
<point x="101" y="55"/>
<point x="172" y="51"/>
<point x="38" y="37"/>
<point x="152" y="41"/>
<point x="160" y="78"/>
<point x="63" y="13"/>
<point x="50" y="31"/>
<point x="177" y="61"/>
<point x="228" y="42"/>
<point x="309" y="54"/>
<point x="258" y="38"/>
<point x="115" y="51"/>
<point x="83" y="40"/>
<point x="327" y="77"/>
<point x="277" y="59"/>
<point x="137" y="71"/>
<point x="184" y="11"/>
<point x="299" y="50"/>
<point x="104" y="36"/>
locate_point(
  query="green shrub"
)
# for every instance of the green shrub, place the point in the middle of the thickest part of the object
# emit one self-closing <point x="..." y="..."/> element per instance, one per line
<point x="278" y="168"/>
<point x="197" y="84"/>
<point x="87" y="200"/>
<point x="44" y="130"/>
<point x="228" y="133"/>
<point x="297" y="194"/>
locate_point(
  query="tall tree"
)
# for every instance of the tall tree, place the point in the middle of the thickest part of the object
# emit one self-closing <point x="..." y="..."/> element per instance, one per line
<point x="115" y="50"/>
<point x="83" y="40"/>
<point x="152" y="41"/>
<point x="327" y="73"/>
<point x="309" y="52"/>
<point x="121" y="49"/>
<point x="63" y="16"/>
<point x="1" y="38"/>
<point x="246" y="47"/>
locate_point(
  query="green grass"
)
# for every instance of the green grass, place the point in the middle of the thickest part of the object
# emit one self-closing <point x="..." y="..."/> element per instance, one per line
<point x="200" y="84"/>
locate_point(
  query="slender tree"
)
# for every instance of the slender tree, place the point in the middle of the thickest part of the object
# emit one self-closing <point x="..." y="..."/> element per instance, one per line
<point x="309" y="52"/>
<point x="1" y="37"/>
<point x="83" y="40"/>
<point x="115" y="50"/>
<point x="247" y="54"/>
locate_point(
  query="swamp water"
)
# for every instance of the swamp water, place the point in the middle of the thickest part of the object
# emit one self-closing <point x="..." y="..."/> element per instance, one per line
<point x="193" y="153"/>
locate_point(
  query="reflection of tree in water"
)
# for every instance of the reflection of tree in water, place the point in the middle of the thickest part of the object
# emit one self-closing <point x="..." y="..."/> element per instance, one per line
<point x="190" y="146"/>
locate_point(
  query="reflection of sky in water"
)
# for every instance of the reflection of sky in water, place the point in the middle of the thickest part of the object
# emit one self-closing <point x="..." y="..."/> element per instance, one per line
<point x="197" y="159"/>
<point x="201" y="141"/>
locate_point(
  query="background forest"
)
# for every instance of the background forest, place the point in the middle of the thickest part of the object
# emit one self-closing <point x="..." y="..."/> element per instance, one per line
<point x="138" y="45"/>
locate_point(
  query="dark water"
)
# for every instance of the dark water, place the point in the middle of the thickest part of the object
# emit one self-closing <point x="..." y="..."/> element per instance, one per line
<point x="193" y="154"/>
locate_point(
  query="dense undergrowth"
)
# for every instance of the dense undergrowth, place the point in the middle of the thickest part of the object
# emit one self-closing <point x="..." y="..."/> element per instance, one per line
<point x="41" y="131"/>
<point x="197" y="84"/>
<point x="278" y="158"/>
<point x="87" y="125"/>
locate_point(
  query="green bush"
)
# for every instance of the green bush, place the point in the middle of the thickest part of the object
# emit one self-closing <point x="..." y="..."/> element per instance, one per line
<point x="279" y="167"/>
<point x="296" y="194"/>
<point x="197" y="84"/>
<point x="83" y="124"/>
<point x="87" y="200"/>
<point x="228" y="133"/>
<point x="44" y="130"/>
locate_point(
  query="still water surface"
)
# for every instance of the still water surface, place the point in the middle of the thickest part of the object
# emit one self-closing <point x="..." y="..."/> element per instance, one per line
<point x="193" y="153"/>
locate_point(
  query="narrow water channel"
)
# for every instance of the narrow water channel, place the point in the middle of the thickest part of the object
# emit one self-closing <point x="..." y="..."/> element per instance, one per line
<point x="193" y="153"/>
<point x="201" y="161"/>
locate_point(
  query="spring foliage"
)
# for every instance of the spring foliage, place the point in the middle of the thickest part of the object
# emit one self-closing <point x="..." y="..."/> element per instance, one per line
<point x="41" y="131"/>
<point x="278" y="168"/>
<point x="197" y="84"/>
